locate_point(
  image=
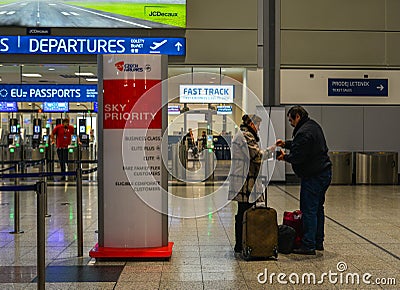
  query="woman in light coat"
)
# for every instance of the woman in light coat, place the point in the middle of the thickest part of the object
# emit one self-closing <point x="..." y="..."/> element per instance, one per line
<point x="245" y="184"/>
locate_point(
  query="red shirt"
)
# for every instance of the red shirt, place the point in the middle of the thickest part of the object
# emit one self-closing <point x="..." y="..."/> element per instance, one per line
<point x="63" y="135"/>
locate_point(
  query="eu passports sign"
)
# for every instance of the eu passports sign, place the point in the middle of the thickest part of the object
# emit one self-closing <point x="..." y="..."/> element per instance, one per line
<point x="48" y="93"/>
<point x="91" y="45"/>
<point x="358" y="87"/>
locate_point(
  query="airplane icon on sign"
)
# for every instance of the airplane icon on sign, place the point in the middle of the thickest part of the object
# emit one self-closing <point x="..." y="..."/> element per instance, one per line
<point x="157" y="44"/>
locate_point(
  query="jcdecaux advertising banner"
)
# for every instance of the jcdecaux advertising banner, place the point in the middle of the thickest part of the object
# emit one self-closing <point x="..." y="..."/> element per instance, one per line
<point x="48" y="93"/>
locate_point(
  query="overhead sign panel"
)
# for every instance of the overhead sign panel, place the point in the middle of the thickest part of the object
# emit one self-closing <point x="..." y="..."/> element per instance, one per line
<point x="8" y="107"/>
<point x="174" y="110"/>
<point x="48" y="93"/>
<point x="98" y="14"/>
<point x="206" y="93"/>
<point x="224" y="110"/>
<point x="358" y="87"/>
<point x="55" y="107"/>
<point x="91" y="45"/>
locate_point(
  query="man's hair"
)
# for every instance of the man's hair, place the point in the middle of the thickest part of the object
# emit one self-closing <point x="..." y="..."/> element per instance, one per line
<point x="293" y="111"/>
<point x="66" y="120"/>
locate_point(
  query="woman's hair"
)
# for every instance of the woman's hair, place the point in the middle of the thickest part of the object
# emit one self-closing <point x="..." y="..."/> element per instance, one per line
<point x="251" y="118"/>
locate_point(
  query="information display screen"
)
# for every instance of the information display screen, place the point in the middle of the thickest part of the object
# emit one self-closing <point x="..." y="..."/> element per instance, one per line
<point x="55" y="107"/>
<point x="8" y="107"/>
<point x="224" y="110"/>
<point x="174" y="110"/>
<point x="95" y="14"/>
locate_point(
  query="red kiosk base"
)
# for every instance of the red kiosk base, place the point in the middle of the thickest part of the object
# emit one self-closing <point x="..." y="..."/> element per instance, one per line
<point x="139" y="253"/>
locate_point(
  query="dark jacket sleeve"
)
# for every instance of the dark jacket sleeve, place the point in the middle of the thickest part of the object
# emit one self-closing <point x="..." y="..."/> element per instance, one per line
<point x="288" y="144"/>
<point x="299" y="149"/>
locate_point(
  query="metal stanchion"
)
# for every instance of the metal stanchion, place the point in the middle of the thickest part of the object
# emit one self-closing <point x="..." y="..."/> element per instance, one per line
<point x="2" y="156"/>
<point x="44" y="179"/>
<point x="79" y="209"/>
<point x="22" y="168"/>
<point x="17" y="229"/>
<point x="41" y="235"/>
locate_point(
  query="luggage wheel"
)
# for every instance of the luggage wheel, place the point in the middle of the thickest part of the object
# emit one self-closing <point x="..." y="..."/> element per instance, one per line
<point x="247" y="253"/>
<point x="276" y="253"/>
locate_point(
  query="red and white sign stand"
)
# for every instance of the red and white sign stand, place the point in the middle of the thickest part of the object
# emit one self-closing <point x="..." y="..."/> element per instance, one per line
<point x="133" y="221"/>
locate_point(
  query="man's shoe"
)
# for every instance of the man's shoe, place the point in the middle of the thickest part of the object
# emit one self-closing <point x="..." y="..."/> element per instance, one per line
<point x="303" y="251"/>
<point x="319" y="247"/>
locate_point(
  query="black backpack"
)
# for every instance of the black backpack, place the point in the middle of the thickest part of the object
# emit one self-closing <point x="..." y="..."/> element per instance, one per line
<point x="286" y="236"/>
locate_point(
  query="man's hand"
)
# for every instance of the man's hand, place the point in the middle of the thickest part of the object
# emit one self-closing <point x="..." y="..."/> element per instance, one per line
<point x="281" y="155"/>
<point x="280" y="143"/>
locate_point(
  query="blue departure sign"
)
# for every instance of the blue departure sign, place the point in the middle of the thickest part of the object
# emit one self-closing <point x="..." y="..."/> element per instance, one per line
<point x="358" y="87"/>
<point x="48" y="93"/>
<point x="91" y="45"/>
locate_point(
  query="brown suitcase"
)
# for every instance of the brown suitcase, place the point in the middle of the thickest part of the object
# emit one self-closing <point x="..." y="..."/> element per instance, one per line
<point x="260" y="233"/>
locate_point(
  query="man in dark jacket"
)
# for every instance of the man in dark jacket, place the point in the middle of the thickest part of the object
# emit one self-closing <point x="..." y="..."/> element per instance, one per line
<point x="309" y="158"/>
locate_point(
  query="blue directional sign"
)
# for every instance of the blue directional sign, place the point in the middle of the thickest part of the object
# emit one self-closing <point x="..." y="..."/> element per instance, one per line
<point x="48" y="93"/>
<point x="358" y="87"/>
<point x="91" y="45"/>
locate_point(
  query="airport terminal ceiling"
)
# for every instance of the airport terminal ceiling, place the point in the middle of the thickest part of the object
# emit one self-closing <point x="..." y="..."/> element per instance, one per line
<point x="87" y="73"/>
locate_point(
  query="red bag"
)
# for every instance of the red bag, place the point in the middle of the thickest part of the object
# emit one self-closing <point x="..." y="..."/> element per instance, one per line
<point x="293" y="219"/>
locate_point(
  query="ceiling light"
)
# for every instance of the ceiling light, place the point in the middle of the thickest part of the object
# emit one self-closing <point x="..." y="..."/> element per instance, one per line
<point x="32" y="75"/>
<point x="92" y="80"/>
<point x="84" y="74"/>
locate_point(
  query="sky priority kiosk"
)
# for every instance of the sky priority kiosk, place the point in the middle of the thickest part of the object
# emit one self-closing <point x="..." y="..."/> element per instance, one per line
<point x="133" y="203"/>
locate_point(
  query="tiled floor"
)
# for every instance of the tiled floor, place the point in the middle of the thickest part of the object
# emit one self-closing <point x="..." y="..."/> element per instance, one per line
<point x="362" y="234"/>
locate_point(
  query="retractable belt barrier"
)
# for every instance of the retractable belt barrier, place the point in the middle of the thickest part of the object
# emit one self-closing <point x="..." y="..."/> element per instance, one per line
<point x="8" y="168"/>
<point x="39" y="188"/>
<point x="43" y="202"/>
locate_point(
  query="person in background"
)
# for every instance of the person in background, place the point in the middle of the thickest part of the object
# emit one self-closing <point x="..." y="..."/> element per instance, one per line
<point x="245" y="185"/>
<point x="91" y="135"/>
<point x="63" y="135"/>
<point x="202" y="141"/>
<point x="309" y="158"/>
<point x="189" y="138"/>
